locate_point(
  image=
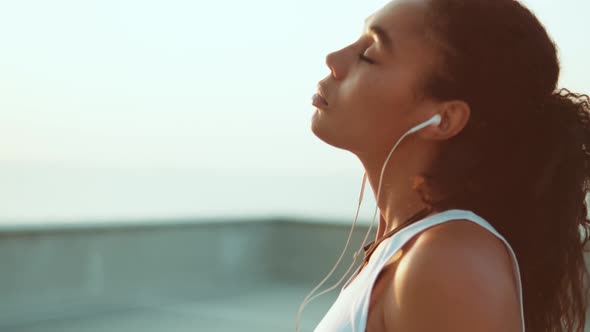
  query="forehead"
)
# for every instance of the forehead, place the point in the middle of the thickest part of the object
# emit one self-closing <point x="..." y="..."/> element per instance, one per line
<point x="400" y="18"/>
<point x="405" y="22"/>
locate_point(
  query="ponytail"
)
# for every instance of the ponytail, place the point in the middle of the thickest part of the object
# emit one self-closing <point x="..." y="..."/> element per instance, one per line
<point x="522" y="162"/>
<point x="568" y="114"/>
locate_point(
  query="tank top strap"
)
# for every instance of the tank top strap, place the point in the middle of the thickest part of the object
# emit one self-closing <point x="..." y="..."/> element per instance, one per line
<point x="394" y="243"/>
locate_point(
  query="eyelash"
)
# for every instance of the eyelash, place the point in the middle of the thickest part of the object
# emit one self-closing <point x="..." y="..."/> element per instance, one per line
<point x="362" y="57"/>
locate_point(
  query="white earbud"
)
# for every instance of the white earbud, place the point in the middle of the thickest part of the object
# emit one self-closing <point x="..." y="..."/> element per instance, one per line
<point x="435" y="120"/>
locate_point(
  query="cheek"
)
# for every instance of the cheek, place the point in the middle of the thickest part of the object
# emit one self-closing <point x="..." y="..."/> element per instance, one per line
<point x="384" y="104"/>
<point x="371" y="110"/>
<point x="387" y="90"/>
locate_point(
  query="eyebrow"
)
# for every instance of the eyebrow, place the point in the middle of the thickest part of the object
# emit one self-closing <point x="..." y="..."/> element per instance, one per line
<point x="381" y="34"/>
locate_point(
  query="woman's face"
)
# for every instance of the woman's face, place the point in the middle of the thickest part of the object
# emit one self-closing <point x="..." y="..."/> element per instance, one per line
<point x="370" y="105"/>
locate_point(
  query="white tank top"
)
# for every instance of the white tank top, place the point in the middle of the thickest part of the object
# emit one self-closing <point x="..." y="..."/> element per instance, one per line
<point x="350" y="310"/>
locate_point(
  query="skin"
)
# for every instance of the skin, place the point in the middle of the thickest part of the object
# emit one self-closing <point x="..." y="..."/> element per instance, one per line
<point x="452" y="277"/>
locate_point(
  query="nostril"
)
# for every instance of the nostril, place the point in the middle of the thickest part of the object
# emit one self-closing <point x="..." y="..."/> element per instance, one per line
<point x="330" y="61"/>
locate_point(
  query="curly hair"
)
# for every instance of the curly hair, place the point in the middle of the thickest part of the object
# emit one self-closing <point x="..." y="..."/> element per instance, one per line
<point x="522" y="162"/>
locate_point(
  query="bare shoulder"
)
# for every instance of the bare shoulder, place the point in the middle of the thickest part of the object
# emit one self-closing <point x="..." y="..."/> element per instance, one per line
<point x="457" y="276"/>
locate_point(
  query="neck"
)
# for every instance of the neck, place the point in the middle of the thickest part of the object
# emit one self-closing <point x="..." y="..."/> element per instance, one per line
<point x="397" y="200"/>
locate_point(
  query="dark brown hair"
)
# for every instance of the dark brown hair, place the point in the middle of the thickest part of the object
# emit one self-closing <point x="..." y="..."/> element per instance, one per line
<point x="522" y="162"/>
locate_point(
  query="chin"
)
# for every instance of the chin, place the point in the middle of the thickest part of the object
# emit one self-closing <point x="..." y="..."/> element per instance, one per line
<point x="329" y="135"/>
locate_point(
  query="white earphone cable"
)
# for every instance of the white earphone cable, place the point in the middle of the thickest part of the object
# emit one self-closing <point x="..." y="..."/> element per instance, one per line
<point x="435" y="120"/>
<point x="308" y="298"/>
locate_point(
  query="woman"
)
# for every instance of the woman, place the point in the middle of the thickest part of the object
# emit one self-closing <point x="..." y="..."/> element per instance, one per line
<point x="482" y="206"/>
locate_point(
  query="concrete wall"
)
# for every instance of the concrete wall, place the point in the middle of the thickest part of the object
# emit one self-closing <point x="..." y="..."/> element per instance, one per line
<point x="310" y="251"/>
<point x="74" y="271"/>
<point x="80" y="270"/>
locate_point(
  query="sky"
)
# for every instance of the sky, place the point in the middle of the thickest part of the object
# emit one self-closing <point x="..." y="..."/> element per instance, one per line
<point x="124" y="109"/>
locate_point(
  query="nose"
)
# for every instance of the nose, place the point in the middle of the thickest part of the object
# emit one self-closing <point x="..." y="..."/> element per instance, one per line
<point x="335" y="62"/>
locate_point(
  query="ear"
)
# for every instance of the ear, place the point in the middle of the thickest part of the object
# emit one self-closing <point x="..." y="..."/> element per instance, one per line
<point x="455" y="115"/>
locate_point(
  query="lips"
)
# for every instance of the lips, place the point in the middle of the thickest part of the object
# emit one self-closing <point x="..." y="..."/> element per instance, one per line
<point x="319" y="101"/>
